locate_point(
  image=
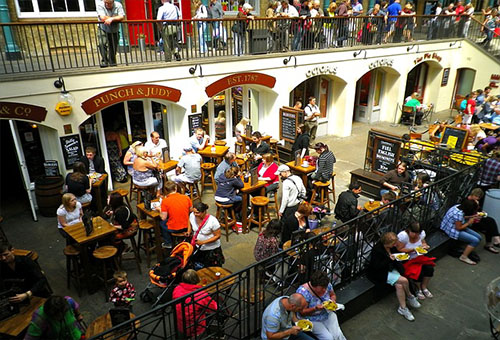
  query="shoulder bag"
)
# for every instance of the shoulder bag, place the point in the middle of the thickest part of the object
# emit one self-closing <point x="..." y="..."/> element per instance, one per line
<point x="193" y="240"/>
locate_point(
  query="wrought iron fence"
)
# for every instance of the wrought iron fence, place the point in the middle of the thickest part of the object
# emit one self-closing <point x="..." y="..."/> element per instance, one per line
<point x="341" y="251"/>
<point x="51" y="46"/>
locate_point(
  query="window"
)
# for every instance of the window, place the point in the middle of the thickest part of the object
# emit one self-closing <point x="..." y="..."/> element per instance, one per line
<point x="230" y="7"/>
<point x="318" y="87"/>
<point x="55" y="8"/>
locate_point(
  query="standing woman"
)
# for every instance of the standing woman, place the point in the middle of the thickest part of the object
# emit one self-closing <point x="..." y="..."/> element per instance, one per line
<point x="302" y="141"/>
<point x="79" y="183"/>
<point x="122" y="218"/>
<point x="240" y="28"/>
<point x="201" y="13"/>
<point x="70" y="212"/>
<point x="206" y="233"/>
<point x="143" y="169"/>
<point x="130" y="156"/>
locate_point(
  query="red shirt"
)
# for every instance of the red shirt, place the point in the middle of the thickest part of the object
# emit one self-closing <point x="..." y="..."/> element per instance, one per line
<point x="270" y="172"/>
<point x="459" y="10"/>
<point x="177" y="206"/>
<point x="472" y="104"/>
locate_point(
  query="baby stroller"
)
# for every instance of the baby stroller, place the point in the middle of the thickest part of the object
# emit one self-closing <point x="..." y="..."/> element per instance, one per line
<point x="167" y="272"/>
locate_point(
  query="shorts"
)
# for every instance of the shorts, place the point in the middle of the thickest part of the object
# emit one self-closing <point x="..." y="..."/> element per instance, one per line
<point x="392" y="277"/>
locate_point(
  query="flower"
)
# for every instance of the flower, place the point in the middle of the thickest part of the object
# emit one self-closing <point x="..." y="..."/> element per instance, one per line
<point x="141" y="36"/>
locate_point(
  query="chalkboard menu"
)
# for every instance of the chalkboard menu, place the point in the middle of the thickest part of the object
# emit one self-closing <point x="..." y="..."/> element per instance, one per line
<point x="446" y="76"/>
<point x="194" y="122"/>
<point x="454" y="137"/>
<point x="288" y="124"/>
<point x="385" y="155"/>
<point x="51" y="168"/>
<point x="72" y="149"/>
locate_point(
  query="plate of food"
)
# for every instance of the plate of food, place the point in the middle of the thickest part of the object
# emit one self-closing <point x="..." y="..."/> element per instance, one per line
<point x="330" y="305"/>
<point x="420" y="251"/>
<point x="305" y="325"/>
<point x="401" y="256"/>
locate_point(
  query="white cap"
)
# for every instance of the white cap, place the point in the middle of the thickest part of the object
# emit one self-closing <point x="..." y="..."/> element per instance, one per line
<point x="282" y="168"/>
<point x="247" y="6"/>
<point x="188" y="147"/>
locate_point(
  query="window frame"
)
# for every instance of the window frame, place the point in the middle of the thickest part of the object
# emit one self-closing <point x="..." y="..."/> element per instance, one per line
<point x="37" y="14"/>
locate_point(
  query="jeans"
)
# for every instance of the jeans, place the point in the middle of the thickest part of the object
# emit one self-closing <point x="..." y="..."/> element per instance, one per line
<point x="202" y="28"/>
<point x="108" y="44"/>
<point x="165" y="232"/>
<point x="469" y="236"/>
<point x="299" y="36"/>
<point x="300" y="336"/>
<point x="328" y="329"/>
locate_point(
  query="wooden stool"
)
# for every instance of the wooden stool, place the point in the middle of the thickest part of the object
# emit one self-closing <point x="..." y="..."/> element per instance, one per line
<point x="260" y="203"/>
<point x="322" y="189"/>
<point x="131" y="237"/>
<point x="73" y="269"/>
<point x="226" y="209"/>
<point x="241" y="163"/>
<point x="138" y="190"/>
<point x="123" y="193"/>
<point x="207" y="172"/>
<point x="146" y="227"/>
<point x="331" y="190"/>
<point x="220" y="142"/>
<point x="273" y="143"/>
<point x="104" y="254"/>
<point x="275" y="205"/>
<point x="192" y="187"/>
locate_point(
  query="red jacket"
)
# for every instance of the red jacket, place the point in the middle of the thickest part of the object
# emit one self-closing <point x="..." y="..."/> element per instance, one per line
<point x="194" y="313"/>
<point x="270" y="172"/>
<point x="414" y="266"/>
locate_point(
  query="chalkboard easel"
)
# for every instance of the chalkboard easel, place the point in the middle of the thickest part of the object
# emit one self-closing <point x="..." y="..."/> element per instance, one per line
<point x="288" y="124"/>
<point x="194" y="122"/>
<point x="385" y="155"/>
<point x="72" y="149"/>
<point x="455" y="138"/>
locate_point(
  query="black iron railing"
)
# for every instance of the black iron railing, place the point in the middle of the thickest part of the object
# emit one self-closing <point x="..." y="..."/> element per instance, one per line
<point x="343" y="252"/>
<point x="52" y="46"/>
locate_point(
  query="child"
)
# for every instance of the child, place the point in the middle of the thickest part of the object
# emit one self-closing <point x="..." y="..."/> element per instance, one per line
<point x="123" y="292"/>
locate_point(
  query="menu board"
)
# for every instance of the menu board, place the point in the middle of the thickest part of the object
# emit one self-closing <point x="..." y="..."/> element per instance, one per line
<point x="194" y="122"/>
<point x="446" y="76"/>
<point x="51" y="168"/>
<point x="288" y="124"/>
<point x="72" y="149"/>
<point x="455" y="138"/>
<point x="385" y="155"/>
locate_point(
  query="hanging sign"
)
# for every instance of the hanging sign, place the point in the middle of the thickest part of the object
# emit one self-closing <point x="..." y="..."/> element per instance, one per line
<point x="63" y="108"/>
<point x="22" y="111"/>
<point x="240" y="79"/>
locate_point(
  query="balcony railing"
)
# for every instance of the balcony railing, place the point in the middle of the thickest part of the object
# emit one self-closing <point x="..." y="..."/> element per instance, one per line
<point x="53" y="46"/>
<point x="342" y="252"/>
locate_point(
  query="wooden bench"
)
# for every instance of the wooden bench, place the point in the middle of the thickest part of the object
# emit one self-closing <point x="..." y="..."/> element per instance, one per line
<point x="370" y="182"/>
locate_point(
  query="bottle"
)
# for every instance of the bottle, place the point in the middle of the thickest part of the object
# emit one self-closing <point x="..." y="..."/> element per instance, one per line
<point x="213" y="148"/>
<point x="334" y="224"/>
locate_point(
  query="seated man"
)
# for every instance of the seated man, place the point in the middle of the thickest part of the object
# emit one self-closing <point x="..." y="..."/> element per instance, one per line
<point x="347" y="205"/>
<point x="228" y="162"/>
<point x="278" y="317"/>
<point x="191" y="164"/>
<point x="393" y="179"/>
<point x="21" y="274"/>
<point x="93" y="162"/>
<point x="419" y="107"/>
<point x="174" y="214"/>
<point x="155" y="145"/>
<point x="199" y="140"/>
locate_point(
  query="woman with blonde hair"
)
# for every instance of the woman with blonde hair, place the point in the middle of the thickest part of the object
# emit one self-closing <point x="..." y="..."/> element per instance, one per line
<point x="69" y="212"/>
<point x="328" y="27"/>
<point x="130" y="156"/>
<point x="143" y="169"/>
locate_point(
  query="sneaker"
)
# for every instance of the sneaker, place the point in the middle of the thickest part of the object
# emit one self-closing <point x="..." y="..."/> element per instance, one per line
<point x="420" y="295"/>
<point x="427" y="294"/>
<point x="413" y="302"/>
<point x="406" y="313"/>
<point x="166" y="245"/>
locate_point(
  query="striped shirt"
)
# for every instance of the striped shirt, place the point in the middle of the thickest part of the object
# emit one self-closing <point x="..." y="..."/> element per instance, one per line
<point x="324" y="165"/>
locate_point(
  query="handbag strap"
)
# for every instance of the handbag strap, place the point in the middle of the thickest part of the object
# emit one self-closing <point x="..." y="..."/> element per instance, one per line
<point x="200" y="227"/>
<point x="312" y="291"/>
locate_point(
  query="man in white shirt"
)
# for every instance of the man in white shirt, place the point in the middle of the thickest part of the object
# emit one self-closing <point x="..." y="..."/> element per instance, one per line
<point x="287" y="11"/>
<point x="155" y="145"/>
<point x="169" y="30"/>
<point x="311" y="118"/>
<point x="199" y="140"/>
<point x="293" y="191"/>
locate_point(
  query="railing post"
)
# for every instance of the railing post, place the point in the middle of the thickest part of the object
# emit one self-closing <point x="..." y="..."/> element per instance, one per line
<point x="12" y="51"/>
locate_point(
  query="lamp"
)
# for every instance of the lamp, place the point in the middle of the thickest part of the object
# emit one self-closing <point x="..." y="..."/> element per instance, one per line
<point x="409" y="48"/>
<point x="287" y="60"/>
<point x="64" y="96"/>
<point x="455" y="42"/>
<point x="355" y="54"/>
<point x="192" y="70"/>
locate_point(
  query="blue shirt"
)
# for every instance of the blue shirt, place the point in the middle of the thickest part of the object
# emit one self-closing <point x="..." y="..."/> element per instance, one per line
<point x="313" y="301"/>
<point x="394" y="10"/>
<point x="448" y="224"/>
<point x="221" y="168"/>
<point x="276" y="318"/>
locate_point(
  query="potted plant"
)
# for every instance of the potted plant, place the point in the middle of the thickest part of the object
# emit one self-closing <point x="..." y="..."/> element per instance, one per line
<point x="141" y="39"/>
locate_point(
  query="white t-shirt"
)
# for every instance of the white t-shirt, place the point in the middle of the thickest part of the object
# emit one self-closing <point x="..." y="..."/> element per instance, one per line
<point x="404" y="238"/>
<point x="72" y="217"/>
<point x="155" y="149"/>
<point x="207" y="231"/>
<point x="309" y="110"/>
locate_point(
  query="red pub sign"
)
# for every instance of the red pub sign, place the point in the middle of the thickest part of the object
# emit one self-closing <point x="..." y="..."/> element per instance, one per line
<point x="240" y="79"/>
<point x="120" y="94"/>
<point x="22" y="111"/>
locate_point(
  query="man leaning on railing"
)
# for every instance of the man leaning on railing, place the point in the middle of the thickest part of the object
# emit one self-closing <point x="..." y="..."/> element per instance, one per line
<point x="110" y="13"/>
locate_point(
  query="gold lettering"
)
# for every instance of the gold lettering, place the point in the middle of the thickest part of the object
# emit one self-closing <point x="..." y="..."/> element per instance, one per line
<point x="97" y="102"/>
<point x="121" y="93"/>
<point x="129" y="92"/>
<point x="105" y="99"/>
<point x="113" y="95"/>
<point x="148" y="93"/>
<point x="4" y="110"/>
<point x="17" y="109"/>
<point x="168" y="93"/>
<point x="140" y="91"/>
<point x="161" y="92"/>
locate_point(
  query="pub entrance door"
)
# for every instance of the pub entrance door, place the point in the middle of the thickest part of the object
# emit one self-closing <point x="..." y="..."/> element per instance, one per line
<point x="368" y="96"/>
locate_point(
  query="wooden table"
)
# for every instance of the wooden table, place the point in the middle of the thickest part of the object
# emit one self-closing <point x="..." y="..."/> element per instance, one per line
<point x="248" y="140"/>
<point x="165" y="167"/>
<point x="102" y="229"/>
<point x="98" y="186"/>
<point x="16" y="324"/>
<point x="208" y="275"/>
<point x="246" y="191"/>
<point x="370" y="206"/>
<point x="220" y="152"/>
<point x="462" y="160"/>
<point x="103" y="323"/>
<point x="489" y="126"/>
<point x="301" y="171"/>
<point x="155" y="215"/>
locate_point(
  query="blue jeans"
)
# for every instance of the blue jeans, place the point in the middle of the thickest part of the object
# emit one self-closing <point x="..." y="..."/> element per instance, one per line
<point x="300" y="336"/>
<point x="202" y="27"/>
<point x="165" y="232"/>
<point x="470" y="237"/>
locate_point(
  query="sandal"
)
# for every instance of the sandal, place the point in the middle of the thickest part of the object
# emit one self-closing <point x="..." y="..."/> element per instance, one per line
<point x="427" y="294"/>
<point x="467" y="260"/>
<point x="420" y="295"/>
<point x="491" y="249"/>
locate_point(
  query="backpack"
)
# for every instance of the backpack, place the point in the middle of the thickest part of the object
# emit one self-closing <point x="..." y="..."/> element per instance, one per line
<point x="463" y="104"/>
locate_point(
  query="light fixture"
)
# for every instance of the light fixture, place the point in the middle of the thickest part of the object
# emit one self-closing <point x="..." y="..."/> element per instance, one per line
<point x="34" y="126"/>
<point x="287" y="60"/>
<point x="409" y="48"/>
<point x="192" y="70"/>
<point x="64" y="96"/>
<point x="455" y="42"/>
<point x="355" y="54"/>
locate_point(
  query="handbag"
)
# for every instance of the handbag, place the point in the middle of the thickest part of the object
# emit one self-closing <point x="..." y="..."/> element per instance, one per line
<point x="193" y="240"/>
<point x="236" y="28"/>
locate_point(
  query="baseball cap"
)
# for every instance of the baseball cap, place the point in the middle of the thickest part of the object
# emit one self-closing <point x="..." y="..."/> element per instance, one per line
<point x="282" y="168"/>
<point x="247" y="6"/>
<point x="188" y="147"/>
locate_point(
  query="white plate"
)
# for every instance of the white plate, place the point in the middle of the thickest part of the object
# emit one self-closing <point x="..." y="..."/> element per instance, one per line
<point x="396" y="256"/>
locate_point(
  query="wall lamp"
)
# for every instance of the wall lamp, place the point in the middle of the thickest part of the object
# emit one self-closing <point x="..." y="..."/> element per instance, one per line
<point x="64" y="96"/>
<point x="355" y="54"/>
<point x="409" y="48"/>
<point x="455" y="42"/>
<point x="192" y="70"/>
<point x="287" y="60"/>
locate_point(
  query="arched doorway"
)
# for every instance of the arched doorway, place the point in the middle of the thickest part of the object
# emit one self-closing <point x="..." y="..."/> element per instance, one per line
<point x="424" y="79"/>
<point x="369" y="89"/>
<point x="463" y="84"/>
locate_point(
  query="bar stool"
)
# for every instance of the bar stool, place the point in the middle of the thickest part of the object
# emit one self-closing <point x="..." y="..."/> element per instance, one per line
<point x="274" y="204"/>
<point x="242" y="163"/>
<point x="320" y="188"/>
<point x="273" y="143"/>
<point x="331" y="190"/>
<point x="146" y="227"/>
<point x="130" y="235"/>
<point x="138" y="190"/>
<point x="123" y="193"/>
<point x="106" y="253"/>
<point x="260" y="203"/>
<point x="220" y="142"/>
<point x="73" y="268"/>
<point x="228" y="211"/>
<point x="208" y="172"/>
<point x="194" y="191"/>
<point x="86" y="206"/>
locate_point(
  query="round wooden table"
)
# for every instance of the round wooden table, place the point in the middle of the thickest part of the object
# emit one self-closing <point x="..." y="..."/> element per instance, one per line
<point x="211" y="274"/>
<point x="369" y="206"/>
